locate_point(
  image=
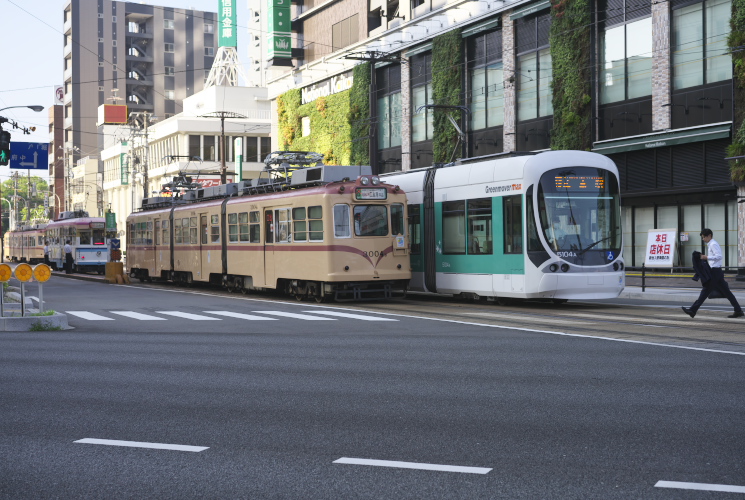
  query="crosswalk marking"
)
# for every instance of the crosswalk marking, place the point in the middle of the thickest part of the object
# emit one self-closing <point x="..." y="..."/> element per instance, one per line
<point x="136" y="315"/>
<point x="353" y="316"/>
<point x="193" y="317"/>
<point x="306" y="317"/>
<point x="89" y="316"/>
<point x="249" y="317"/>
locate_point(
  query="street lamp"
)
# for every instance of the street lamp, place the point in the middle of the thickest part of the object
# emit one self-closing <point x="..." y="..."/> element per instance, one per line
<point x="34" y="107"/>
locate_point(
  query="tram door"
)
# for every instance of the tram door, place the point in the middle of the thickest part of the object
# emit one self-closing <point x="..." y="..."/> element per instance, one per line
<point x="204" y="252"/>
<point x="160" y="259"/>
<point x="269" y="274"/>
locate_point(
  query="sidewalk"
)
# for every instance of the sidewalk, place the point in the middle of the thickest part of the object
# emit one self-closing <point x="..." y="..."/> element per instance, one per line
<point x="684" y="295"/>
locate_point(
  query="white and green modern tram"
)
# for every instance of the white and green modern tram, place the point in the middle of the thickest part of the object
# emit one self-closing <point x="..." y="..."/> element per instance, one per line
<point x="516" y="225"/>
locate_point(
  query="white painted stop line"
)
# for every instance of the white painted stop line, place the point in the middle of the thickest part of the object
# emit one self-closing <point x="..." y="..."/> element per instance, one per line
<point x="413" y="465"/>
<point x="137" y="444"/>
<point x="700" y="486"/>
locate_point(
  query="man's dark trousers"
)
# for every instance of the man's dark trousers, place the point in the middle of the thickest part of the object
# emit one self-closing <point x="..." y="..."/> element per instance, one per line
<point x="716" y="282"/>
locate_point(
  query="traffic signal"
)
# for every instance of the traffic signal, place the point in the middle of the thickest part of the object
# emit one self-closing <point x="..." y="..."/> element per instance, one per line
<point x="4" y="147"/>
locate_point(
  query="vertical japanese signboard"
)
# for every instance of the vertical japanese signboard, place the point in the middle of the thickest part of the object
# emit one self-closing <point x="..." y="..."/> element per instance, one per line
<point x="660" y="251"/>
<point x="227" y="35"/>
<point x="280" y="44"/>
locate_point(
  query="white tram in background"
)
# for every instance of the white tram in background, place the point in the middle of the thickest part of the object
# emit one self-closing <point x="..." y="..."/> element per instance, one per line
<point x="25" y="244"/>
<point x="322" y="232"/>
<point x="545" y="225"/>
<point x="87" y="237"/>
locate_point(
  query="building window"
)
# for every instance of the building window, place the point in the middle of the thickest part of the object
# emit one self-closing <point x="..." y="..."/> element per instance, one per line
<point x="345" y="33"/>
<point x="209" y="51"/>
<point x="169" y="47"/>
<point x="209" y="148"/>
<point x="422" y="122"/>
<point x="170" y="94"/>
<point x="627" y="62"/>
<point x="389" y="106"/>
<point x="533" y="67"/>
<point x="209" y="28"/>
<point x="195" y="147"/>
<point x="487" y="81"/>
<point x="168" y="24"/>
<point x="170" y="71"/>
<point x="699" y="44"/>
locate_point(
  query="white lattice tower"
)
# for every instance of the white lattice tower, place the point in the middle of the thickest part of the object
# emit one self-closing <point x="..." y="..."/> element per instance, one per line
<point x="225" y="69"/>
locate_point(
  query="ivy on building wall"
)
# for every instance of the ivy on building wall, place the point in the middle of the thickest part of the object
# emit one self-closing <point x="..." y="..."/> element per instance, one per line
<point x="570" y="41"/>
<point x="330" y="132"/>
<point x="288" y="119"/>
<point x="359" y="115"/>
<point x="447" y="64"/>
<point x="736" y="42"/>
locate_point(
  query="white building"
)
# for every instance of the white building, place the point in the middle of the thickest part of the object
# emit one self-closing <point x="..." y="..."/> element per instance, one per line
<point x="188" y="144"/>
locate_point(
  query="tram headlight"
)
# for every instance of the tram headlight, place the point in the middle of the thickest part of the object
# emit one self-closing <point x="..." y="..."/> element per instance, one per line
<point x="364" y="181"/>
<point x="553" y="267"/>
<point x="375" y="180"/>
<point x="615" y="266"/>
<point x="564" y="268"/>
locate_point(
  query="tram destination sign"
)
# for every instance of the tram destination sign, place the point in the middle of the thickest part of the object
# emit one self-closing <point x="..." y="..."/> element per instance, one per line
<point x="370" y="194"/>
<point x="579" y="183"/>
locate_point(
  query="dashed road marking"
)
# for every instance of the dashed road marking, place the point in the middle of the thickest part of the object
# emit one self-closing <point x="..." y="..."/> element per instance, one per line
<point x="185" y="315"/>
<point x="413" y="465"/>
<point x="89" y="316"/>
<point x="700" y="486"/>
<point x="352" y="316"/>
<point x="249" y="317"/>
<point x="137" y="444"/>
<point x="136" y="315"/>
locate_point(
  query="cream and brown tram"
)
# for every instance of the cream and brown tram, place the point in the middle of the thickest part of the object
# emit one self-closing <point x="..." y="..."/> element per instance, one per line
<point x="25" y="244"/>
<point x="326" y="232"/>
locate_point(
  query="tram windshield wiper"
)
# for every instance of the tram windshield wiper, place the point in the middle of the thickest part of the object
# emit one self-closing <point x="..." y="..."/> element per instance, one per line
<point x="591" y="246"/>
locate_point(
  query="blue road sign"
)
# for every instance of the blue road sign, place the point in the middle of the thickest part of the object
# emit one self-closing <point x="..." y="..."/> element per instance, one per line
<point x="29" y="155"/>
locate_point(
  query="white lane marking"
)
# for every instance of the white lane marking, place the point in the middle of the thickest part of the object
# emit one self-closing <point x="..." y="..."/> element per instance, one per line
<point x="249" y="317"/>
<point x="353" y="316"/>
<point x="530" y="319"/>
<point x="137" y="444"/>
<point x="700" y="486"/>
<point x="136" y="315"/>
<point x="89" y="316"/>
<point x="296" y="316"/>
<point x="185" y="315"/>
<point x="413" y="465"/>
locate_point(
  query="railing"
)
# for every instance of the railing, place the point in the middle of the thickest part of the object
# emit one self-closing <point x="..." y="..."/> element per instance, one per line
<point x="679" y="277"/>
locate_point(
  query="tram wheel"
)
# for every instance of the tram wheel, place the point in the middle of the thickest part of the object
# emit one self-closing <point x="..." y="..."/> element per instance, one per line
<point x="230" y="285"/>
<point x="502" y="301"/>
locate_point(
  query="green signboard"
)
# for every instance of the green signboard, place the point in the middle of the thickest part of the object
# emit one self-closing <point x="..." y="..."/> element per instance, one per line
<point x="279" y="44"/>
<point x="227" y="35"/>
<point x="123" y="169"/>
<point x="110" y="221"/>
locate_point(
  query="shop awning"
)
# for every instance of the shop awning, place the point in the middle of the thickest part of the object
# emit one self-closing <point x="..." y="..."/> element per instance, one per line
<point x="664" y="139"/>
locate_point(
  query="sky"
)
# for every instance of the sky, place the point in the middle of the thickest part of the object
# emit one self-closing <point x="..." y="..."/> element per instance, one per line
<point x="31" y="58"/>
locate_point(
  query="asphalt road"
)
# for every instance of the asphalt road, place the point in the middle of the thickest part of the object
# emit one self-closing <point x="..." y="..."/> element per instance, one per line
<point x="528" y="401"/>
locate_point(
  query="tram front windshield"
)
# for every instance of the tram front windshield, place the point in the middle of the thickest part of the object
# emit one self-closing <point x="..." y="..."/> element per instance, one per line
<point x="579" y="210"/>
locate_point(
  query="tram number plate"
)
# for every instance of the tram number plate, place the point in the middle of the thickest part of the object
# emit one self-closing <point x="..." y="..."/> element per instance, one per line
<point x="371" y="193"/>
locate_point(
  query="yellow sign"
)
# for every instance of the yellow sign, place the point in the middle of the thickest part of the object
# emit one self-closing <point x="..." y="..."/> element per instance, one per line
<point x="5" y="272"/>
<point x="42" y="272"/>
<point x="23" y="272"/>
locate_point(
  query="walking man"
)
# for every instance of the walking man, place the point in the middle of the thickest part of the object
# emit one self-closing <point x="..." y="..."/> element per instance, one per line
<point x="714" y="258"/>
<point x="68" y="258"/>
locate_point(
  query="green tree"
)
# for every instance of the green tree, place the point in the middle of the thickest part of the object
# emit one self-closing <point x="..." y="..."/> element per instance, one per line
<point x="30" y="203"/>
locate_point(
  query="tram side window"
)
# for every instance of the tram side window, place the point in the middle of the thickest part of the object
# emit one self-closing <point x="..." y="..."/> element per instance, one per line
<point x="315" y="223"/>
<point x="148" y="233"/>
<point x="415" y="229"/>
<point x="513" y="224"/>
<point x="299" y="224"/>
<point x="454" y="227"/>
<point x="157" y="232"/>
<point x="480" y="227"/>
<point x="166" y="233"/>
<point x="282" y="225"/>
<point x="193" y="233"/>
<point x="397" y="219"/>
<point x="177" y="232"/>
<point x="203" y="231"/>
<point x="215" y="229"/>
<point x="254" y="227"/>
<point x="233" y="228"/>
<point x="341" y="221"/>
<point x="243" y="226"/>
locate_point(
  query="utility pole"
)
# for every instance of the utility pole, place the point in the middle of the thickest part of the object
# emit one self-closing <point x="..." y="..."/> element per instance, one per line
<point x="223" y="152"/>
<point x="146" y="117"/>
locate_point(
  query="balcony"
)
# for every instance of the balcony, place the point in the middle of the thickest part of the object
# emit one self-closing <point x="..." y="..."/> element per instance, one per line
<point x="67" y="27"/>
<point x="68" y="74"/>
<point x="142" y="59"/>
<point x="67" y="51"/>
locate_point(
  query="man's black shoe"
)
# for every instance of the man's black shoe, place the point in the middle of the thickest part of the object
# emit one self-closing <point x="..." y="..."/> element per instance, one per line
<point x="737" y="314"/>
<point x="689" y="312"/>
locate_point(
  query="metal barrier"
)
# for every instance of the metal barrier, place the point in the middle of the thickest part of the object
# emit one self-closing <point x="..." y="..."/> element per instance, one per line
<point x="680" y="277"/>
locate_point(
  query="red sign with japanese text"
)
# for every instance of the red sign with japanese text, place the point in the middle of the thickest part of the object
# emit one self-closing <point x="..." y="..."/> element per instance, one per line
<point x="660" y="251"/>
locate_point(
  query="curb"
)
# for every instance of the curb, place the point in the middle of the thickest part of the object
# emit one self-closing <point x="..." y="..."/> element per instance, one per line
<point x="25" y="323"/>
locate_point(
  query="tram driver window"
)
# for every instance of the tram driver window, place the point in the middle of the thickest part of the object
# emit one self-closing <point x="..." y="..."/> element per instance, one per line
<point x="341" y="221"/>
<point x="85" y="237"/>
<point x="513" y="224"/>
